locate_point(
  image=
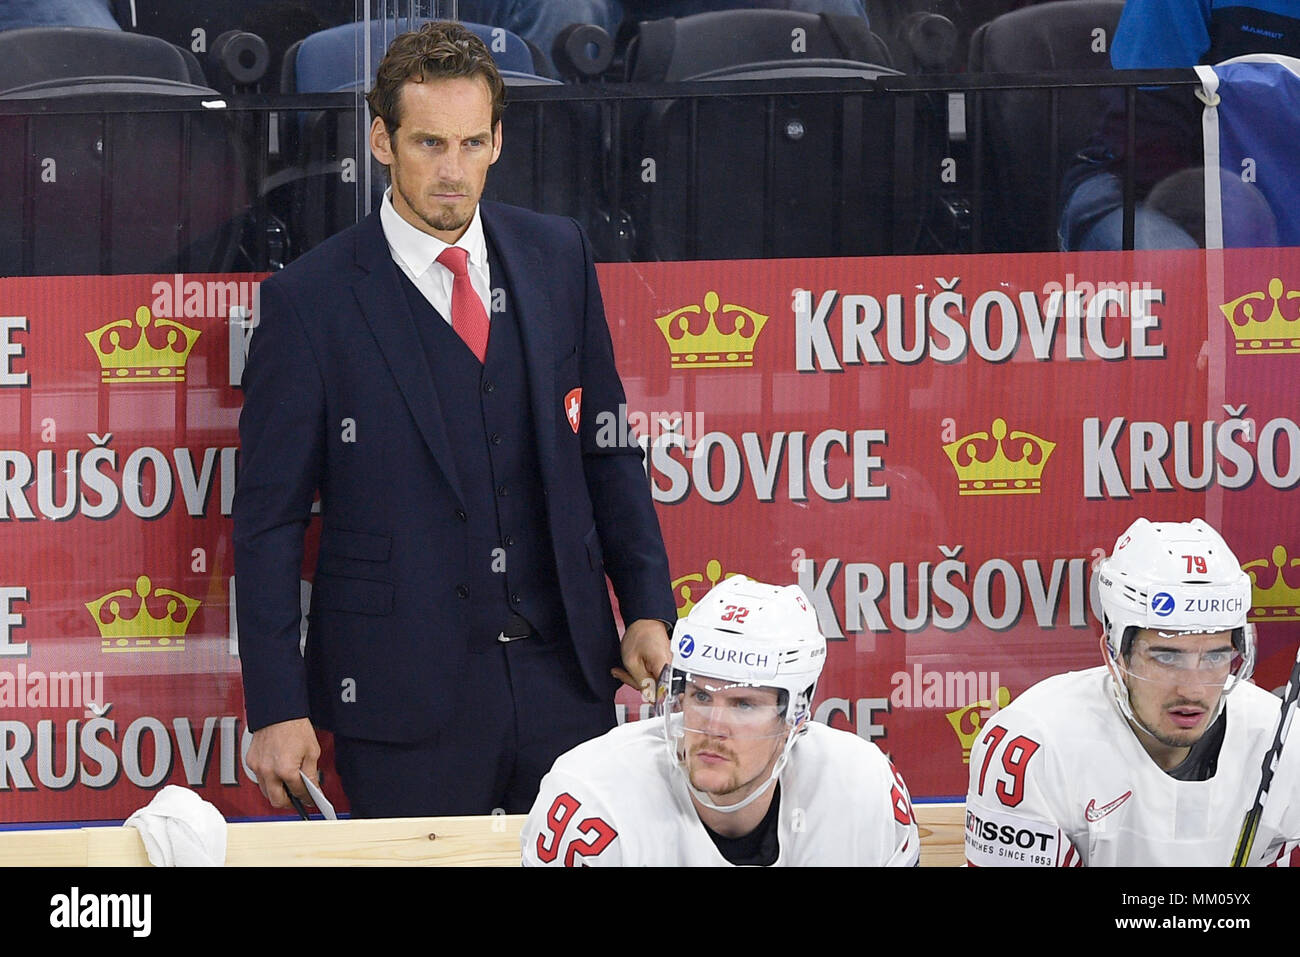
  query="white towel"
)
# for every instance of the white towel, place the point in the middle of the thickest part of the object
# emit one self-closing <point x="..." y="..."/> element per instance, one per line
<point x="180" y="829"/>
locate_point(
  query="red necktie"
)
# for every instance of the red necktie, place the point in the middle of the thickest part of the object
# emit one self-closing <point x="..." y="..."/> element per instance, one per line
<point x="468" y="317"/>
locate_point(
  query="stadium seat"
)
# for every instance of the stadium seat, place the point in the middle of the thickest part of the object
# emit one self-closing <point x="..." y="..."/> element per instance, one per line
<point x="107" y="190"/>
<point x="689" y="47"/>
<point x="1022" y="165"/>
<point x="39" y="54"/>
<point x="788" y="175"/>
<point x="196" y="25"/>
<point x="902" y="24"/>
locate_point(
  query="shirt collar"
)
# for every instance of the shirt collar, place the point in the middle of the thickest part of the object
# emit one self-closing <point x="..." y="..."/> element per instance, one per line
<point x="417" y="249"/>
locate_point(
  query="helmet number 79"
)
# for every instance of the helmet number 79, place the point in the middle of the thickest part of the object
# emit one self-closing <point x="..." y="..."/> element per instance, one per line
<point x="1196" y="563"/>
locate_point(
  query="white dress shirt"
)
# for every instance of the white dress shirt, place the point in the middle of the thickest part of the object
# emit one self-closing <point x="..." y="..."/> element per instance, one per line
<point x="416" y="254"/>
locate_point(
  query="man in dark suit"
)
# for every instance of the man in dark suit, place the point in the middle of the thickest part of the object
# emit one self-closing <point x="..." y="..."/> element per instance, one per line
<point x="461" y="635"/>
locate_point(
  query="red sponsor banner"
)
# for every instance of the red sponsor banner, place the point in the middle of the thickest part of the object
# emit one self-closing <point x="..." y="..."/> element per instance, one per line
<point x="936" y="448"/>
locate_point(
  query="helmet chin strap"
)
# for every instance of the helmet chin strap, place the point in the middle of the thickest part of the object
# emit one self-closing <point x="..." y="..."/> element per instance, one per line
<point x="703" y="798"/>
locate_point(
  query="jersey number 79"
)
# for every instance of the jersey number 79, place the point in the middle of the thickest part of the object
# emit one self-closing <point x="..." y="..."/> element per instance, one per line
<point x="1015" y="761"/>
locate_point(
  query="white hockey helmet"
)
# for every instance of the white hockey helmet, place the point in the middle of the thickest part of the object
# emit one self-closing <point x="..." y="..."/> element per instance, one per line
<point x="1176" y="577"/>
<point x="744" y="633"/>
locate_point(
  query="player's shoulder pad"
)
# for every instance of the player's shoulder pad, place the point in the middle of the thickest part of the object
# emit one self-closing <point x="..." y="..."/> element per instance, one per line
<point x="591" y="788"/>
<point x="840" y="760"/>
<point x="1054" y="705"/>
<point x="570" y="825"/>
<point x="1254" y="703"/>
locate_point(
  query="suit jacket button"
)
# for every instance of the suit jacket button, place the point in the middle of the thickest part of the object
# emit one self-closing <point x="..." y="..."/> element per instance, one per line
<point x="503" y="491"/>
<point x="515" y="599"/>
<point x="509" y="540"/>
<point x="496" y="438"/>
<point x="462" y="591"/>
<point x="489" y="387"/>
<point x="460" y="514"/>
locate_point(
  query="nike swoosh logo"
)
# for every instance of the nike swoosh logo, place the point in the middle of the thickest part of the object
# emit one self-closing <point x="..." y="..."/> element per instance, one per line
<point x="1094" y="813"/>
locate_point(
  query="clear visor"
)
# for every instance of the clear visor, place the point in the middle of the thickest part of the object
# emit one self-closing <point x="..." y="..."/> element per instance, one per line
<point x="725" y="709"/>
<point x="1160" y="659"/>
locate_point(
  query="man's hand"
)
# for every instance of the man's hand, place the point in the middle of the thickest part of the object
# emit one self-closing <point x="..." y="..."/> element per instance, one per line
<point x="278" y="752"/>
<point x="645" y="653"/>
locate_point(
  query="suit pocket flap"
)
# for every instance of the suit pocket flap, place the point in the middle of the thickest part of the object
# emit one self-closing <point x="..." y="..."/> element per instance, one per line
<point x="364" y="546"/>
<point x="360" y="596"/>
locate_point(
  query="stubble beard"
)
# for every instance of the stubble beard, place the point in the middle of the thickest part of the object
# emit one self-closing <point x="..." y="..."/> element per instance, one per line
<point x="442" y="218"/>
<point x="1180" y="739"/>
<point x="733" y="786"/>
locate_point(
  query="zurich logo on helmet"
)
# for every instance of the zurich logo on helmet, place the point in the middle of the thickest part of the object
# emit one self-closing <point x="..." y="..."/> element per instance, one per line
<point x="1162" y="604"/>
<point x="686" y="646"/>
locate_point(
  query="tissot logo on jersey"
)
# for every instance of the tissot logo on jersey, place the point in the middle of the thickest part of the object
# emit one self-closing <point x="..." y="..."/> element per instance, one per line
<point x="1007" y="840"/>
<point x="1007" y="834"/>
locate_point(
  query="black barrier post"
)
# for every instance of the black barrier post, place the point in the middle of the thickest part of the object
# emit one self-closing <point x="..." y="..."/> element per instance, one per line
<point x="1054" y="147"/>
<point x="693" y="177"/>
<point x="261" y="210"/>
<point x="904" y="190"/>
<point x="769" y="175"/>
<point x="851" y="186"/>
<point x="106" y="193"/>
<point x="184" y="204"/>
<point x="977" y="173"/>
<point x="1130" y="165"/>
<point x="29" y="199"/>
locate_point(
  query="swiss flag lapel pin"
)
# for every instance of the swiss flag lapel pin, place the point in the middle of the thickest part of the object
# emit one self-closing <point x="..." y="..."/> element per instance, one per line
<point x="573" y="408"/>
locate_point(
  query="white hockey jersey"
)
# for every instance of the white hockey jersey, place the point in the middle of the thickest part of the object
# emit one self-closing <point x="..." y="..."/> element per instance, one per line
<point x="617" y="800"/>
<point x="1059" y="778"/>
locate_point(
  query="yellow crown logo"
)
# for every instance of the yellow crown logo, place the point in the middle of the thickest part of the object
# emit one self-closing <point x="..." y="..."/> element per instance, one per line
<point x="994" y="472"/>
<point x="1257" y="336"/>
<point x="1279" y="601"/>
<point x="968" y="721"/>
<point x="144" y="360"/>
<point x="712" y="348"/>
<point x="689" y="588"/>
<point x="143" y="631"/>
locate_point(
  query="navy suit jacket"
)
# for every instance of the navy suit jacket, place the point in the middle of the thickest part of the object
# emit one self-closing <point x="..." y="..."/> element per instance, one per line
<point x="338" y="397"/>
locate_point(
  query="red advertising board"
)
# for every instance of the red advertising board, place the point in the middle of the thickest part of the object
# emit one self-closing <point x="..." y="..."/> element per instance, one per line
<point x="936" y="448"/>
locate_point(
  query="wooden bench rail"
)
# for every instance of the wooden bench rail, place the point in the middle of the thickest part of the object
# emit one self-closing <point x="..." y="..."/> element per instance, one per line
<point x="491" y="841"/>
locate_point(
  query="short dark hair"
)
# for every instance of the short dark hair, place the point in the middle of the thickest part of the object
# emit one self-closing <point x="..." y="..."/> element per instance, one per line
<point x="439" y="50"/>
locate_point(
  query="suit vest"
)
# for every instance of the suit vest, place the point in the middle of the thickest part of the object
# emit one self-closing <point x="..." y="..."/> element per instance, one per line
<point x="489" y="422"/>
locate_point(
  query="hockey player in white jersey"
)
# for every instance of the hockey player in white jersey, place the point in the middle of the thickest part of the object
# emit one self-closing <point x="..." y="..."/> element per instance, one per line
<point x="734" y="772"/>
<point x="1152" y="759"/>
